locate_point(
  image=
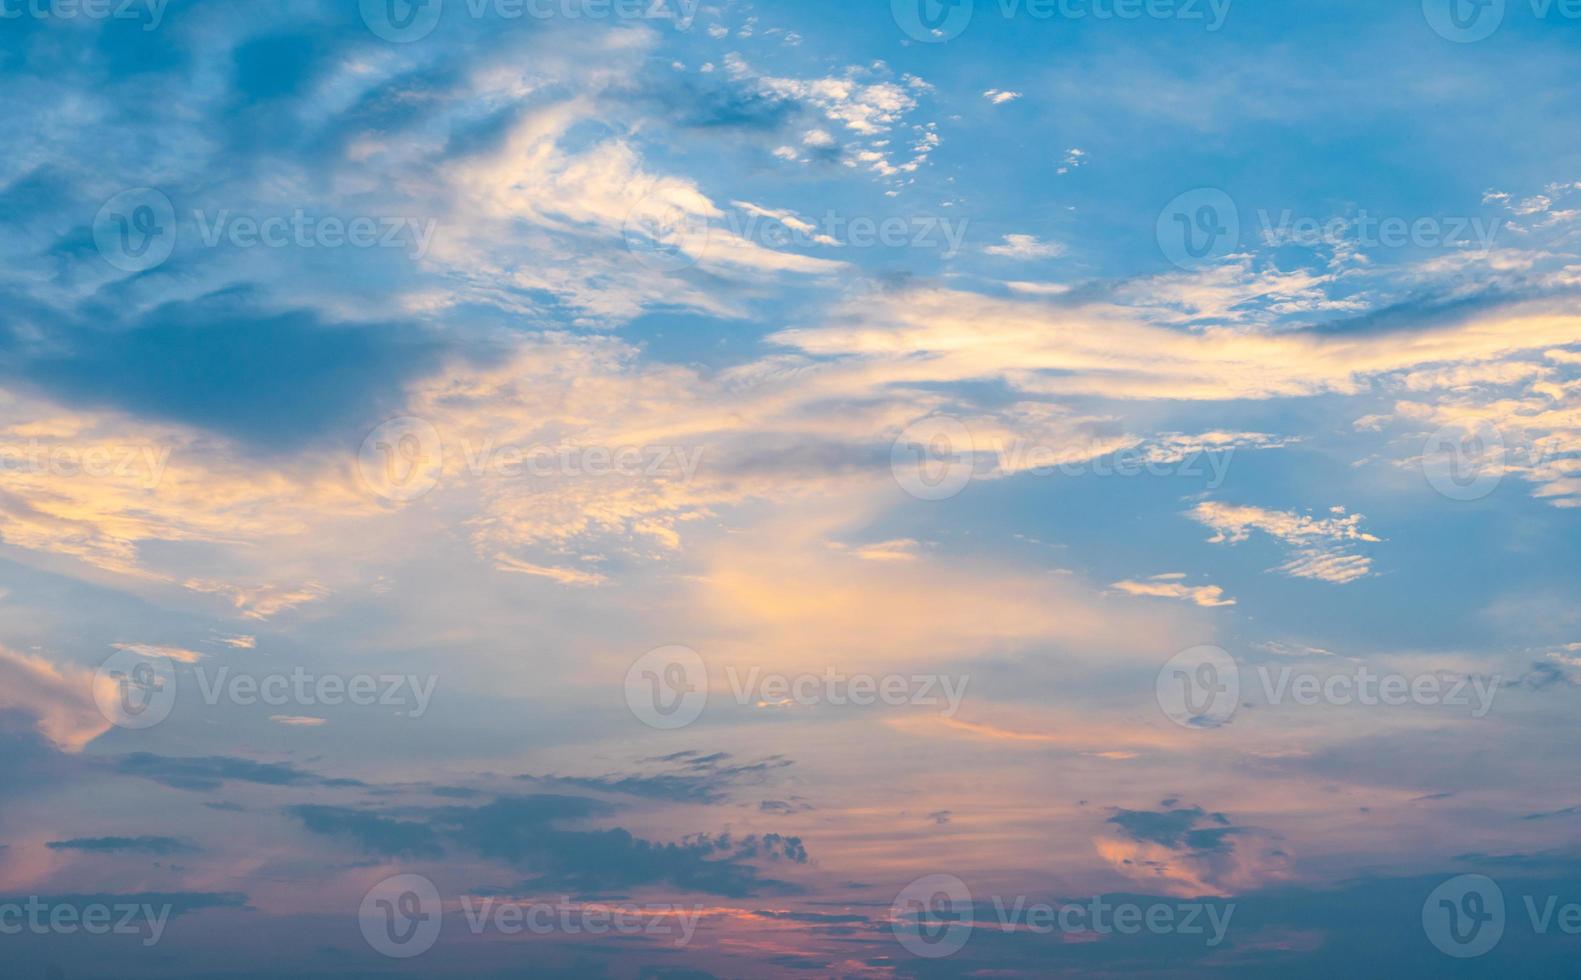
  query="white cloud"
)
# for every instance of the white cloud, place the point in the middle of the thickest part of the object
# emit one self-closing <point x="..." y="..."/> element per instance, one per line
<point x="1025" y="247"/>
<point x="1169" y="586"/>
<point x="1320" y="548"/>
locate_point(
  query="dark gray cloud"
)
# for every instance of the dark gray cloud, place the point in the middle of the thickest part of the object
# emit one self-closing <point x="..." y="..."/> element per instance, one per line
<point x="545" y="833"/>
<point x="694" y="778"/>
<point x="205" y="773"/>
<point x="373" y="833"/>
<point x="161" y="846"/>
<point x="1189" y="828"/>
<point x="231" y="364"/>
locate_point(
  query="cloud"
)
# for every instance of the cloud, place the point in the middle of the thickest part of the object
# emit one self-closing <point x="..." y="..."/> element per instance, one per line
<point x="530" y="831"/>
<point x="1195" y="852"/>
<point x="700" y="779"/>
<point x="1319" y="547"/>
<point x="206" y="773"/>
<point x="159" y="846"/>
<point x="1025" y="247"/>
<point x="1000" y="96"/>
<point x="1168" y="587"/>
<point x="58" y="696"/>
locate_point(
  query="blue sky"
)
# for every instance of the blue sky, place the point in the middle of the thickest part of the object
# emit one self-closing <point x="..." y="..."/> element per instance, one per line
<point x="804" y="481"/>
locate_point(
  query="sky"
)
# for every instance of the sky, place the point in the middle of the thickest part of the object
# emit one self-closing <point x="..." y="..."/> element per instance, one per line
<point x="660" y="489"/>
